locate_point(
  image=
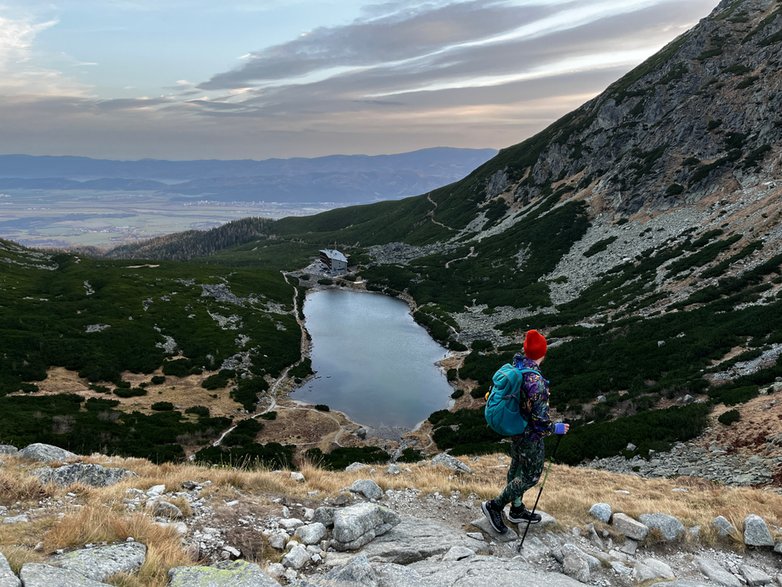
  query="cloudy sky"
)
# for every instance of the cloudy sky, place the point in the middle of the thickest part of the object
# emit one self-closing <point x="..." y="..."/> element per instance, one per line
<point x="185" y="79"/>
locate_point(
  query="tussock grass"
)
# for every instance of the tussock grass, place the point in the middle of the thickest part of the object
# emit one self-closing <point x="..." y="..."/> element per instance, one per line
<point x="99" y="514"/>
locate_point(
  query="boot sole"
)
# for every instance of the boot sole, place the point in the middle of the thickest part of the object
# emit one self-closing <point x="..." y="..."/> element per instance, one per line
<point x="486" y="513"/>
<point x="521" y="521"/>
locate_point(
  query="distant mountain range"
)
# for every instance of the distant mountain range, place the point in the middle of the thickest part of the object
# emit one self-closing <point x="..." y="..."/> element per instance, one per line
<point x="336" y="178"/>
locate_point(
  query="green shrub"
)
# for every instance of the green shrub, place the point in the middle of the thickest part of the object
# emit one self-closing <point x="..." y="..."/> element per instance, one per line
<point x="130" y="392"/>
<point x="158" y="380"/>
<point x="201" y="411"/>
<point x="339" y="458"/>
<point x="729" y="417"/>
<point x="733" y="396"/>
<point x="162" y="406"/>
<point x="269" y="415"/>
<point x="599" y="246"/>
<point x="410" y="455"/>
<point x="247" y="391"/>
<point x="457" y="394"/>
<point x="177" y="368"/>
<point x="481" y="345"/>
<point x="219" y="380"/>
<point x="322" y="408"/>
<point x="271" y="456"/>
<point x="244" y="433"/>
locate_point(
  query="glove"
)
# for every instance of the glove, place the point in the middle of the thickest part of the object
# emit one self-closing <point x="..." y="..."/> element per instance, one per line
<point x="561" y="428"/>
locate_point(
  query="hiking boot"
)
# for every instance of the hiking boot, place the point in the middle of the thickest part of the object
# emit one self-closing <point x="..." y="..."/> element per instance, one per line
<point x="494" y="515"/>
<point x="521" y="514"/>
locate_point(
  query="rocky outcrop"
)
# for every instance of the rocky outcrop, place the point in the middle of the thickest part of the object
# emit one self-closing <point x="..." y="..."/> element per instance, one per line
<point x="85" y="473"/>
<point x="225" y="574"/>
<point x="102" y="562"/>
<point x="45" y="452"/>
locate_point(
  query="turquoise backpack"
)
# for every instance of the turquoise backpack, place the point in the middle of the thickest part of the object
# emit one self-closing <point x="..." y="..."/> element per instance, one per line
<point x="502" y="406"/>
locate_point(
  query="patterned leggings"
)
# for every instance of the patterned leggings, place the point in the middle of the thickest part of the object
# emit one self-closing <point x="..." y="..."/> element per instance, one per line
<point x="527" y="460"/>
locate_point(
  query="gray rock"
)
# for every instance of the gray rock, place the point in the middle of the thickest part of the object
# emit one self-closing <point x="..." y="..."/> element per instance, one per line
<point x="716" y="573"/>
<point x="297" y="476"/>
<point x="723" y="527"/>
<point x="8" y="449"/>
<point x="223" y="574"/>
<point x="483" y="524"/>
<point x="278" y="539"/>
<point x="357" y="572"/>
<point x="416" y="539"/>
<point x="393" y="469"/>
<point x="756" y="532"/>
<point x="476" y="570"/>
<point x="324" y="515"/>
<point x="290" y="523"/>
<point x="629" y="546"/>
<point x="165" y="509"/>
<point x="355" y="467"/>
<point x="651" y="568"/>
<point x="296" y="558"/>
<point x="576" y="567"/>
<point x="629" y="527"/>
<point x="311" y="533"/>
<point x="45" y="452"/>
<point x="669" y="527"/>
<point x="450" y="462"/>
<point x="778" y="549"/>
<point x="85" y="473"/>
<point x="680" y="584"/>
<point x="367" y="488"/>
<point x="754" y="576"/>
<point x="601" y="511"/>
<point x="357" y="525"/>
<point x="7" y="576"/>
<point x="40" y="575"/>
<point x="457" y="553"/>
<point x="572" y="550"/>
<point x="20" y="519"/>
<point x="101" y="562"/>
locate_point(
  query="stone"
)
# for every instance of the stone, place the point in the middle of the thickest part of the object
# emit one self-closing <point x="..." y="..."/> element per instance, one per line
<point x="278" y="540"/>
<point x="629" y="546"/>
<point x="716" y="573"/>
<point x="324" y="515"/>
<point x="311" y="533"/>
<point x="355" y="467"/>
<point x="631" y="528"/>
<point x="576" y="567"/>
<point x="7" y="576"/>
<point x="223" y="574"/>
<point x="630" y="447"/>
<point x="668" y="527"/>
<point x="457" y="553"/>
<point x="156" y="491"/>
<point x="650" y="568"/>
<point x="601" y="511"/>
<point x="415" y="539"/>
<point x="101" y="562"/>
<point x="358" y="571"/>
<point x="296" y="558"/>
<point x="476" y="570"/>
<point x="446" y="460"/>
<point x="573" y="550"/>
<point x="178" y="527"/>
<point x="778" y="549"/>
<point x="84" y="473"/>
<point x="298" y="477"/>
<point x="8" y="449"/>
<point x="367" y="488"/>
<point x="165" y="509"/>
<point x="45" y="452"/>
<point x="393" y="469"/>
<point x="723" y="527"/>
<point x="290" y="523"/>
<point x="41" y="575"/>
<point x="20" y="519"/>
<point x="756" y="532"/>
<point x="483" y="524"/>
<point x="357" y="525"/>
<point x="754" y="576"/>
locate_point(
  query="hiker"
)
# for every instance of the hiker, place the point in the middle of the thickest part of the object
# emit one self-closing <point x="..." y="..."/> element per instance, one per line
<point x="527" y="449"/>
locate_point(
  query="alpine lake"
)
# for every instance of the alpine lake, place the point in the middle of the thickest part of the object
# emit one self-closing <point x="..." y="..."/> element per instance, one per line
<point x="372" y="361"/>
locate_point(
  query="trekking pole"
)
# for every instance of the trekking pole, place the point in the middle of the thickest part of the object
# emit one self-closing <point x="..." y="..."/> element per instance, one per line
<point x="529" y="521"/>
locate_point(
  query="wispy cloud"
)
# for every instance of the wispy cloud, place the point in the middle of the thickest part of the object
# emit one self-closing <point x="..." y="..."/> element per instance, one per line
<point x="403" y="75"/>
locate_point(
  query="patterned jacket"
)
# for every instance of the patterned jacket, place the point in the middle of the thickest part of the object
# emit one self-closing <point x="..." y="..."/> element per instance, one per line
<point x="534" y="401"/>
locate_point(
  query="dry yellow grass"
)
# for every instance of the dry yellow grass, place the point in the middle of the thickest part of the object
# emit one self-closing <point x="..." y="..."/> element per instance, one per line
<point x="99" y="514"/>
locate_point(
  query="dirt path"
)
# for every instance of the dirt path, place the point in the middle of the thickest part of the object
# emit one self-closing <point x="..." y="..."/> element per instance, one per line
<point x="431" y="212"/>
<point x="469" y="255"/>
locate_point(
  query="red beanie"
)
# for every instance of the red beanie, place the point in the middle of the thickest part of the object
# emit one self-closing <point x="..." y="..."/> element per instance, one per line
<point x="534" y="345"/>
